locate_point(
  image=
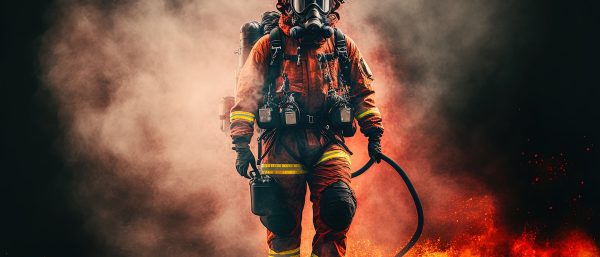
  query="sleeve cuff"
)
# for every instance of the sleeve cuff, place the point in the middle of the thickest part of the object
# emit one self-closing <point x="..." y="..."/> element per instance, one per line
<point x="241" y="139"/>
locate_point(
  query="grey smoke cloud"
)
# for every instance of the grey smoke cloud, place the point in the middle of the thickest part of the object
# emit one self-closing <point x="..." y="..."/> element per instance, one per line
<point x="139" y="82"/>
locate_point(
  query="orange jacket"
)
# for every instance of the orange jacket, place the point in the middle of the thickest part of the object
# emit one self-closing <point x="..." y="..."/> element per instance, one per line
<point x="307" y="80"/>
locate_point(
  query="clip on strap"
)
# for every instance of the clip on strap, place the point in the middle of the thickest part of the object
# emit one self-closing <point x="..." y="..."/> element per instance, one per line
<point x="274" y="53"/>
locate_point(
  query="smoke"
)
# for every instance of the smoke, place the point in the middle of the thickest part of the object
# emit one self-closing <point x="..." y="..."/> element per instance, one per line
<point x="428" y="57"/>
<point x="139" y="85"/>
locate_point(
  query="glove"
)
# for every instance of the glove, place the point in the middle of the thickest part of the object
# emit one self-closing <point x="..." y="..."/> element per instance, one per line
<point x="375" y="147"/>
<point x="244" y="159"/>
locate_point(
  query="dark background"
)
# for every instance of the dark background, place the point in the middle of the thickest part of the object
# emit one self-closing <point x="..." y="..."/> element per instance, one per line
<point x="538" y="117"/>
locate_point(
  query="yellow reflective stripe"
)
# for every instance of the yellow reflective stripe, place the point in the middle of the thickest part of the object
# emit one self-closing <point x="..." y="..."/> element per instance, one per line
<point x="368" y="112"/>
<point x="243" y="113"/>
<point x="334" y="154"/>
<point x="282" y="169"/>
<point x="234" y="118"/>
<point x="283" y="172"/>
<point x="272" y="165"/>
<point x="239" y="115"/>
<point x="294" y="251"/>
<point x="314" y="255"/>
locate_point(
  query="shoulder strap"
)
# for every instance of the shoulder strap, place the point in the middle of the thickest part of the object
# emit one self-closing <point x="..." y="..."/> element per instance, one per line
<point x="341" y="50"/>
<point x="275" y="59"/>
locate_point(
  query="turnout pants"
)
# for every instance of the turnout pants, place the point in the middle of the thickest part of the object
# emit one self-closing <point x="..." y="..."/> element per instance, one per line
<point x="333" y="201"/>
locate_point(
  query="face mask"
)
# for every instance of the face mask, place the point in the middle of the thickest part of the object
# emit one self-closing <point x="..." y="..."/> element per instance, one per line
<point x="310" y="18"/>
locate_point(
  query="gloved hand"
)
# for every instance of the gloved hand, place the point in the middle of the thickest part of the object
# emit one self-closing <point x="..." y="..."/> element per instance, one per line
<point x="244" y="158"/>
<point x="375" y="147"/>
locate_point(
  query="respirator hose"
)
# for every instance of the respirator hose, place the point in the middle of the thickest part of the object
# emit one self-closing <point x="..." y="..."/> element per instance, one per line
<point x="413" y="193"/>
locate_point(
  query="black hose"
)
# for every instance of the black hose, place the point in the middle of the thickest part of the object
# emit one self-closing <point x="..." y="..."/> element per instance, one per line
<point x="363" y="169"/>
<point x="255" y="171"/>
<point x="413" y="193"/>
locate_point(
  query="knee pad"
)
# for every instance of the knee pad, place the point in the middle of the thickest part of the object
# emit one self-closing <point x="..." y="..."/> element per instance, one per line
<point x="337" y="206"/>
<point x="281" y="223"/>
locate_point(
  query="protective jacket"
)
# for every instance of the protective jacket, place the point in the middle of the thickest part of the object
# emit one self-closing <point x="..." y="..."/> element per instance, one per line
<point x="303" y="155"/>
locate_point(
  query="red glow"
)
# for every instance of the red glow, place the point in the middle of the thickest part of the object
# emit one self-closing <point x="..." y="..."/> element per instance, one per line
<point x="487" y="239"/>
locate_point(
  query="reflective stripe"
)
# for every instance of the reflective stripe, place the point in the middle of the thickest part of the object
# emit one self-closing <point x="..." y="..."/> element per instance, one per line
<point x="334" y="154"/>
<point x="368" y="112"/>
<point x="243" y="113"/>
<point x="282" y="169"/>
<point x="314" y="255"/>
<point x="239" y="115"/>
<point x="289" y="253"/>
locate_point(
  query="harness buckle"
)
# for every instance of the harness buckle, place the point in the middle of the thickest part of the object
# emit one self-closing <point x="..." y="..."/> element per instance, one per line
<point x="342" y="51"/>
<point x="311" y="119"/>
<point x="274" y="51"/>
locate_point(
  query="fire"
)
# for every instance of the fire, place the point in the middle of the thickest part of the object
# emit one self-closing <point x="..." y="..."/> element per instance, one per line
<point x="576" y="244"/>
<point x="484" y="237"/>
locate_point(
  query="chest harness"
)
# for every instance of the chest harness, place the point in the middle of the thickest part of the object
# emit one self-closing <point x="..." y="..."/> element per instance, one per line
<point x="279" y="113"/>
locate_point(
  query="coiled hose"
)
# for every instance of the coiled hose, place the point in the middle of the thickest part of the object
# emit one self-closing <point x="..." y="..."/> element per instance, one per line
<point x="413" y="193"/>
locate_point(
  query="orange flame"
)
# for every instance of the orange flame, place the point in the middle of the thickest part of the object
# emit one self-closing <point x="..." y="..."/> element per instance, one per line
<point x="484" y="238"/>
<point x="487" y="239"/>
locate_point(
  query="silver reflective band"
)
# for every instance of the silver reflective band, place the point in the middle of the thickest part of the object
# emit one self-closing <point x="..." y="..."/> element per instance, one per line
<point x="290" y="118"/>
<point x="301" y="5"/>
<point x="346" y="114"/>
<point x="264" y="115"/>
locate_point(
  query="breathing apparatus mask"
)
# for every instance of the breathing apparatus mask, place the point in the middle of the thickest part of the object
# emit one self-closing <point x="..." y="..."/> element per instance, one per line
<point x="310" y="19"/>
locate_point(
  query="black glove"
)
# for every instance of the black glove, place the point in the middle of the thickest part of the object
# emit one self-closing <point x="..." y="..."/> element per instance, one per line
<point x="375" y="147"/>
<point x="244" y="159"/>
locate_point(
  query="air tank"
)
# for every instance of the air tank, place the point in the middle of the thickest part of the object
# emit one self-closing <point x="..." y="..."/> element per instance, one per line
<point x="249" y="34"/>
<point x="226" y="105"/>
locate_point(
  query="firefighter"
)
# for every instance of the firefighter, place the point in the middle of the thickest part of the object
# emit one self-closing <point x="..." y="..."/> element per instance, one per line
<point x="305" y="64"/>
